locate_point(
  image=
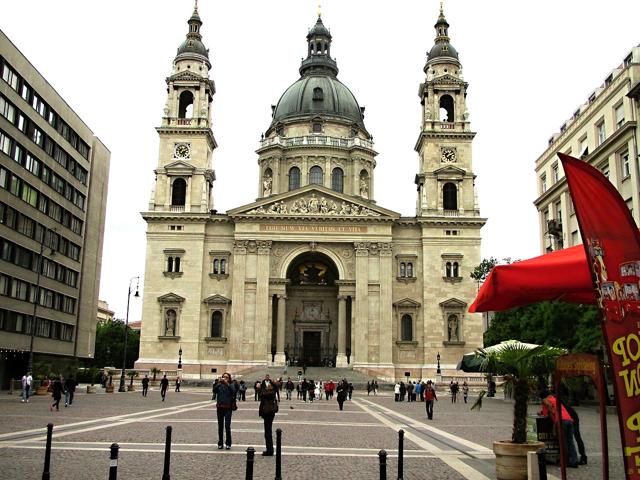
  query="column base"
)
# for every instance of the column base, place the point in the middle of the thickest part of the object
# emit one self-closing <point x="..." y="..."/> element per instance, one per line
<point x="280" y="359"/>
<point x="341" y="361"/>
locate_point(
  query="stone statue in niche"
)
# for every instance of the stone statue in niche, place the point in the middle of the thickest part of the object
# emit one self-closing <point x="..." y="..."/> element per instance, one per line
<point x="453" y="328"/>
<point x="364" y="187"/>
<point x="166" y="108"/>
<point x="170" y="323"/>
<point x="266" y="186"/>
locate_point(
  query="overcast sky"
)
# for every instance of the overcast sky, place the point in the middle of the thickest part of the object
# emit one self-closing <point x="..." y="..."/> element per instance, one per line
<point x="529" y="66"/>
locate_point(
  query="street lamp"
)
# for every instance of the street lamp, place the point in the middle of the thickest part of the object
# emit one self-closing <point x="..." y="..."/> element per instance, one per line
<point x="126" y="331"/>
<point x="438" y="371"/>
<point x="180" y="358"/>
<point x="35" y="304"/>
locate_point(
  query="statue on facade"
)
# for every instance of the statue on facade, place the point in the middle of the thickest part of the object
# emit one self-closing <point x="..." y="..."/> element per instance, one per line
<point x="166" y="108"/>
<point x="170" y="323"/>
<point x="266" y="186"/>
<point x="427" y="114"/>
<point x="453" y="328"/>
<point x="364" y="188"/>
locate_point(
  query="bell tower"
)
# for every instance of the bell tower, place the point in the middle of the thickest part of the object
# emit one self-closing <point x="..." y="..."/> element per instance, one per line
<point x="185" y="175"/>
<point x="445" y="177"/>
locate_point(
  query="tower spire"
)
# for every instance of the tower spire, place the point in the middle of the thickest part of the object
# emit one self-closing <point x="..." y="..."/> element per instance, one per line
<point x="319" y="50"/>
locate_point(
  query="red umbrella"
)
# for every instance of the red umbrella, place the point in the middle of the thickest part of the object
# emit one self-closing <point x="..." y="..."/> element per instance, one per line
<point x="561" y="275"/>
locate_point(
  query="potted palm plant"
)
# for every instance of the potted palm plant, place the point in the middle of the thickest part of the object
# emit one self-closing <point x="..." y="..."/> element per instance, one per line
<point x="131" y="374"/>
<point x="154" y="371"/>
<point x="519" y="364"/>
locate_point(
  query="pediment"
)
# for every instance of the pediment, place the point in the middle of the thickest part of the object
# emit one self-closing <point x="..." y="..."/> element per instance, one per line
<point x="450" y="171"/>
<point x="217" y="299"/>
<point x="453" y="303"/>
<point x="406" y="303"/>
<point x="448" y="78"/>
<point x="313" y="201"/>
<point x="171" y="298"/>
<point x="179" y="166"/>
<point x="186" y="75"/>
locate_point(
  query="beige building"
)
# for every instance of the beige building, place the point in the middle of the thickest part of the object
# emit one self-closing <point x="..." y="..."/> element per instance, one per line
<point x="603" y="131"/>
<point x="104" y="313"/>
<point x="53" y="192"/>
<point x="314" y="271"/>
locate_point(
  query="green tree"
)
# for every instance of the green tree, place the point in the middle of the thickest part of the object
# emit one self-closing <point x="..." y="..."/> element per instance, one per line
<point x="110" y="344"/>
<point x="481" y="272"/>
<point x="558" y="324"/>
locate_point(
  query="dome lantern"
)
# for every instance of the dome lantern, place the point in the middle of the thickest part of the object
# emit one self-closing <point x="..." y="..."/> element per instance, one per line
<point x="319" y="51"/>
<point x="192" y="47"/>
<point x="442" y="49"/>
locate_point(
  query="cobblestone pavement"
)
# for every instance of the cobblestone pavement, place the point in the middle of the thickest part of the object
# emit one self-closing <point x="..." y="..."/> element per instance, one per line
<point x="318" y="439"/>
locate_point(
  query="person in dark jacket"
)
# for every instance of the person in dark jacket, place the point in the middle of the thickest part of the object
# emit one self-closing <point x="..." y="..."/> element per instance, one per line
<point x="225" y="394"/>
<point x="145" y="385"/>
<point x="69" y="391"/>
<point x="267" y="410"/>
<point x="56" y="390"/>
<point x="164" y="384"/>
<point x="341" y="391"/>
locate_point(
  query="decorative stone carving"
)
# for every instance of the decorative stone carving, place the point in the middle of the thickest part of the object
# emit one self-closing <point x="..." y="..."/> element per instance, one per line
<point x="364" y="187"/>
<point x="374" y="249"/>
<point x="386" y="249"/>
<point x="362" y="249"/>
<point x="346" y="253"/>
<point x="453" y="328"/>
<point x="266" y="186"/>
<point x="313" y="205"/>
<point x="240" y="247"/>
<point x="264" y="247"/>
<point x="170" y="323"/>
<point x="252" y="246"/>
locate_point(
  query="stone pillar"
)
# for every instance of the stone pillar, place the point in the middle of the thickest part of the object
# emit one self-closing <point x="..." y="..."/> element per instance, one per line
<point x="341" y="358"/>
<point x="262" y="334"/>
<point x="237" y="301"/>
<point x="386" y="305"/>
<point x="360" y="349"/>
<point x="282" y="309"/>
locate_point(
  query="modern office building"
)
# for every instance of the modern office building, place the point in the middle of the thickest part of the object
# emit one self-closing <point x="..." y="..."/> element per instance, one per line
<point x="315" y="271"/>
<point x="603" y="131"/>
<point x="53" y="192"/>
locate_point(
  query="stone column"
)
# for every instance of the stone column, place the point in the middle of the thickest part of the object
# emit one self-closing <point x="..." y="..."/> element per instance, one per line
<point x="237" y="301"/>
<point x="282" y="309"/>
<point x="386" y="305"/>
<point x="360" y="349"/>
<point x="262" y="334"/>
<point x="341" y="358"/>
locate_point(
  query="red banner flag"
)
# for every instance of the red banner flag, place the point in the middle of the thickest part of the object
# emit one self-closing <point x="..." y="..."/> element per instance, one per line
<point x="612" y="244"/>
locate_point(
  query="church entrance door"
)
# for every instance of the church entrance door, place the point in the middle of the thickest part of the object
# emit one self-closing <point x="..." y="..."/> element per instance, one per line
<point x="312" y="348"/>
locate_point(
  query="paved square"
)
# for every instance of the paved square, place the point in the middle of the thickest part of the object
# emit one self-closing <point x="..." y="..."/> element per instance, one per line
<point x="319" y="441"/>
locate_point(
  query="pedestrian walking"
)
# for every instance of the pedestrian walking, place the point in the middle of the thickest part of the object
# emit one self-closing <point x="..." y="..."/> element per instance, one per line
<point x="350" y="390"/>
<point x="213" y="388"/>
<point x="403" y="391"/>
<point x="289" y="388"/>
<point x="549" y="409"/>
<point x="69" y="391"/>
<point x="576" y="432"/>
<point x="164" y="384"/>
<point x="417" y="391"/>
<point x="225" y="405"/>
<point x="256" y="391"/>
<point x="56" y="394"/>
<point x="242" y="390"/>
<point x="453" y="387"/>
<point x="465" y="391"/>
<point x="409" y="392"/>
<point x="304" y="387"/>
<point x="396" y="391"/>
<point x="26" y="386"/>
<point x="369" y="388"/>
<point x="341" y="393"/>
<point x="145" y="385"/>
<point x="375" y="387"/>
<point x="178" y="382"/>
<point x="267" y="410"/>
<point x="429" y="397"/>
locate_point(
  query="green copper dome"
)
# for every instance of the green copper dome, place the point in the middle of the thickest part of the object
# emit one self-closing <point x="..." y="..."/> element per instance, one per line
<point x="192" y="47"/>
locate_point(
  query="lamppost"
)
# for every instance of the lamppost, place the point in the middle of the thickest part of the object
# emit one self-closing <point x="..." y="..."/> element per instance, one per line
<point x="35" y="305"/>
<point x="180" y="358"/>
<point x="438" y="371"/>
<point x="126" y="331"/>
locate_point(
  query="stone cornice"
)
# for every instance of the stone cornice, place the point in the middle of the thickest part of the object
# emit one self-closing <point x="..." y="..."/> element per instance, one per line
<point x="444" y="134"/>
<point x="190" y="131"/>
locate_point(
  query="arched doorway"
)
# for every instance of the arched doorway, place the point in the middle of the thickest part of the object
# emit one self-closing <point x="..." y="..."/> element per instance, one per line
<point x="311" y="332"/>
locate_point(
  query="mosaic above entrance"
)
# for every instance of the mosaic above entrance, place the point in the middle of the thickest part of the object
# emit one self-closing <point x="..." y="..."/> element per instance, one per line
<point x="314" y="205"/>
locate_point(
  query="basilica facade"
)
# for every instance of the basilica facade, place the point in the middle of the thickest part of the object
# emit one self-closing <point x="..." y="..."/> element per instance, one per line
<point x="314" y="272"/>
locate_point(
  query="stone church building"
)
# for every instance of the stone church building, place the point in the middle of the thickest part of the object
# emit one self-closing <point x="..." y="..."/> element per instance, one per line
<point x="315" y="271"/>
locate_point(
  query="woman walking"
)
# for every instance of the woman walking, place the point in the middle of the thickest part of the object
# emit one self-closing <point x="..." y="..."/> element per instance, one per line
<point x="267" y="410"/>
<point x="57" y="394"/>
<point x="225" y="404"/>
<point x="341" y="391"/>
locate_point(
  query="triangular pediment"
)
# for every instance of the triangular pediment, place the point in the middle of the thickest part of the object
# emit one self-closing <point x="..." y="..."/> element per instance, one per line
<point x="188" y="76"/>
<point x="217" y="299"/>
<point x="179" y="166"/>
<point x="453" y="303"/>
<point x="171" y="298"/>
<point x="406" y="303"/>
<point x="448" y="78"/>
<point x="313" y="201"/>
<point x="450" y="171"/>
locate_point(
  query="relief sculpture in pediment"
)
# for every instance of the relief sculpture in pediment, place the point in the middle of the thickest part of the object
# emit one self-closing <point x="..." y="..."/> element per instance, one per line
<point x="313" y="205"/>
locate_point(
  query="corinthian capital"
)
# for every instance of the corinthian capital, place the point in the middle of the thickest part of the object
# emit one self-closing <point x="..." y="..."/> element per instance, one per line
<point x="264" y="246"/>
<point x="240" y="247"/>
<point x="361" y="248"/>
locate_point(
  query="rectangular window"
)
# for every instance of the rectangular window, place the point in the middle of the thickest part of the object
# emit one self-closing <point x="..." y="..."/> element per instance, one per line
<point x="619" y="112"/>
<point x="30" y="195"/>
<point x="32" y="164"/>
<point x="629" y="203"/>
<point x="19" y="289"/>
<point x="55" y="211"/>
<point x="26" y="226"/>
<point x="76" y="227"/>
<point x="15" y="185"/>
<point x="600" y="132"/>
<point x="575" y="237"/>
<point x="7" y="110"/>
<point x="558" y="212"/>
<point x="51" y="118"/>
<point x="22" y="123"/>
<point x="543" y="183"/>
<point x="43" y="204"/>
<point x="4" y="178"/>
<point x="5" y="144"/>
<point x="18" y="153"/>
<point x="625" y="168"/>
<point x="556" y="175"/>
<point x="37" y="136"/>
<point x="25" y="91"/>
<point x="10" y="77"/>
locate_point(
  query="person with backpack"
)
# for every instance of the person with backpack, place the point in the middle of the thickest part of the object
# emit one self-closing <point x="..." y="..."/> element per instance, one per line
<point x="429" y="397"/>
<point x="267" y="410"/>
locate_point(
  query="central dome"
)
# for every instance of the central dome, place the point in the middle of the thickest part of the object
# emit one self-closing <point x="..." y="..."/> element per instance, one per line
<point x="318" y="95"/>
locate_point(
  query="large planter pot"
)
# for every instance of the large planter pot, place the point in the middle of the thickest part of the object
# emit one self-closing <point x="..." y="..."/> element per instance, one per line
<point x="131" y="388"/>
<point x="42" y="390"/>
<point x="511" y="458"/>
<point x="91" y="389"/>
<point x="110" y="388"/>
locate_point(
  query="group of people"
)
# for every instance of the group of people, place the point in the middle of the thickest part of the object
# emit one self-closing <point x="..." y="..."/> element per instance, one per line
<point x="61" y="386"/>
<point x="454" y="388"/>
<point x="372" y="386"/>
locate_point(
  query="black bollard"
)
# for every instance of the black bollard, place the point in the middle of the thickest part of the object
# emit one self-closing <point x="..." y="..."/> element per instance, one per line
<point x="250" y="453"/>
<point x="47" y="452"/>
<point x="278" y="454"/>
<point x="167" y="455"/>
<point x="383" y="464"/>
<point x="542" y="464"/>
<point x="113" y="462"/>
<point x="400" y="454"/>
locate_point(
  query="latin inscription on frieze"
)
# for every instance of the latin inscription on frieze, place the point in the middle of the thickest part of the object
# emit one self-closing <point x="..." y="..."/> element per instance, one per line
<point x="313" y="228"/>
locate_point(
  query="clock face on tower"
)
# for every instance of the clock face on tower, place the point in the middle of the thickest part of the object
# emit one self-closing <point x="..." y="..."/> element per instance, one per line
<point x="182" y="150"/>
<point x="448" y="155"/>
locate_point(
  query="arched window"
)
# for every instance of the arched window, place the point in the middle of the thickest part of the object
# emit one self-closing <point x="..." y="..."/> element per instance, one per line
<point x="406" y="328"/>
<point x="409" y="270"/>
<point x="216" y="266"/>
<point x="448" y="270"/>
<point x="455" y="269"/>
<point x="178" y="192"/>
<point x="185" y="109"/>
<point x="446" y="109"/>
<point x="223" y="266"/>
<point x="170" y="264"/>
<point x="177" y="264"/>
<point x="294" y="178"/>
<point x="316" y="176"/>
<point x="450" y="196"/>
<point x="403" y="271"/>
<point x="216" y="324"/>
<point x="337" y="180"/>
